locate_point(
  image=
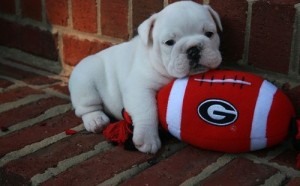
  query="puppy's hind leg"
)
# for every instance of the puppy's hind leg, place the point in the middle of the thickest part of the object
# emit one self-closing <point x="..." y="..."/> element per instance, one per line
<point x="87" y="102"/>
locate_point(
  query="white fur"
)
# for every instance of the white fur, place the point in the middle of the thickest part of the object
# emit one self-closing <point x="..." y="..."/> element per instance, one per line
<point x="128" y="75"/>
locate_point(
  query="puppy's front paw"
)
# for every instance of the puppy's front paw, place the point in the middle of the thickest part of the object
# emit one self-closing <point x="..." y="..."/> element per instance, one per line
<point x="146" y="141"/>
<point x="95" y="121"/>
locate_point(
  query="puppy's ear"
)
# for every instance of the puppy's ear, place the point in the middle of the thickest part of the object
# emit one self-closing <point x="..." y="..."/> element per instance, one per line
<point x="145" y="30"/>
<point x="215" y="16"/>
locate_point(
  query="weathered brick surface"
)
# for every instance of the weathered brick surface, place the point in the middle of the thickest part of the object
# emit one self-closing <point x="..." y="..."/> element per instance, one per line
<point x="38" y="132"/>
<point x="113" y="163"/>
<point x="105" y="165"/>
<point x="141" y="10"/>
<point x="29" y="39"/>
<point x="5" y="83"/>
<point x="287" y="158"/>
<point x="25" y="76"/>
<point x="114" y="19"/>
<point x="32" y="9"/>
<point x="61" y="88"/>
<point x="76" y="49"/>
<point x="57" y="12"/>
<point x="39" y="161"/>
<point x="175" y="170"/>
<point x="240" y="172"/>
<point x="72" y="30"/>
<point x="17" y="93"/>
<point x="32" y="110"/>
<point x="84" y="14"/>
<point x="270" y="44"/>
<point x="293" y="182"/>
<point x="234" y="25"/>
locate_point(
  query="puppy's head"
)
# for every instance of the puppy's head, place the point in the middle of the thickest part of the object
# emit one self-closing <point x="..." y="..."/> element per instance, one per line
<point x="183" y="39"/>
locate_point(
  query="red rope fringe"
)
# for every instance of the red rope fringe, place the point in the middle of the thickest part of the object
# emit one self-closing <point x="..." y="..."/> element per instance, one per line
<point x="118" y="132"/>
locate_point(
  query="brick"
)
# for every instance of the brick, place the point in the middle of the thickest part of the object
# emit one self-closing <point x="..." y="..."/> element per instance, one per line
<point x="8" y="6"/>
<point x="28" y="77"/>
<point x="29" y="39"/>
<point x="30" y="165"/>
<point x="38" y="132"/>
<point x="114" y="18"/>
<point x="57" y="12"/>
<point x="176" y="169"/>
<point x="32" y="9"/>
<point x="141" y="10"/>
<point x="76" y="49"/>
<point x="233" y="14"/>
<point x="240" y="172"/>
<point x="287" y="158"/>
<point x="5" y="83"/>
<point x="32" y="110"/>
<point x="271" y="35"/>
<point x="84" y="14"/>
<point x="100" y="168"/>
<point x="17" y="93"/>
<point x="294" y="182"/>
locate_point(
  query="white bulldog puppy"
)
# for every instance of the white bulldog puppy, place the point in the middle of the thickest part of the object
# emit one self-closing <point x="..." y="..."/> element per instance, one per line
<point x="180" y="40"/>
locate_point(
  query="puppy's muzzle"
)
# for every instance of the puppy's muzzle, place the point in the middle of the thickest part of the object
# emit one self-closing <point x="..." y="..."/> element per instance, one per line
<point x="193" y="54"/>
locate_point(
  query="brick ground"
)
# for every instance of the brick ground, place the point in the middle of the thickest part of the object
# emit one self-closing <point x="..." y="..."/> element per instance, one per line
<point x="35" y="111"/>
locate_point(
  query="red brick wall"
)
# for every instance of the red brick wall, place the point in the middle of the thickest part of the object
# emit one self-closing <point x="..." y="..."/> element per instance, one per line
<point x="260" y="34"/>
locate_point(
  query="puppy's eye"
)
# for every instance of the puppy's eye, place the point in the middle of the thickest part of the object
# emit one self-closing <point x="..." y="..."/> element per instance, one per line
<point x="170" y="42"/>
<point x="209" y="34"/>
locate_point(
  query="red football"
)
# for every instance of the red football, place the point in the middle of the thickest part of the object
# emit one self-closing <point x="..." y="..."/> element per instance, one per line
<point x="227" y="111"/>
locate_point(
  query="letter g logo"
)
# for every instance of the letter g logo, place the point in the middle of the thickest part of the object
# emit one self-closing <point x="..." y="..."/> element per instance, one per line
<point x="217" y="112"/>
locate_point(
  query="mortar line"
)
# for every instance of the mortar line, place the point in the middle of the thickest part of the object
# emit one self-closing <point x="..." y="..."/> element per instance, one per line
<point x="36" y="146"/>
<point x="290" y="172"/>
<point x="63" y="29"/>
<point x="70" y="162"/>
<point x="44" y="13"/>
<point x="60" y="44"/>
<point x="28" y="68"/>
<point x="125" y="175"/>
<point x="70" y="15"/>
<point x="209" y="170"/>
<point x="129" y="173"/>
<point x="99" y="29"/>
<point x="52" y="112"/>
<point x="130" y="19"/>
<point x="244" y="61"/>
<point x="295" y="45"/>
<point x="55" y="93"/>
<point x="16" y="83"/>
<point x="276" y="179"/>
<point x="20" y="102"/>
<point x="29" y="59"/>
<point x="18" y="8"/>
<point x="166" y="2"/>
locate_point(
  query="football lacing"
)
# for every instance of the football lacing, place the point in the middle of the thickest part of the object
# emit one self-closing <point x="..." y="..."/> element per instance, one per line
<point x="234" y="81"/>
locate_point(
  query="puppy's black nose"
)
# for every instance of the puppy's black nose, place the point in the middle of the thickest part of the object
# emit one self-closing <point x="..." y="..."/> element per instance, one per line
<point x="193" y="53"/>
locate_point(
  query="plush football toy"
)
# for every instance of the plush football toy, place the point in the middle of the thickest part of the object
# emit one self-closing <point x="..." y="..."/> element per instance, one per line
<point x="228" y="111"/>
